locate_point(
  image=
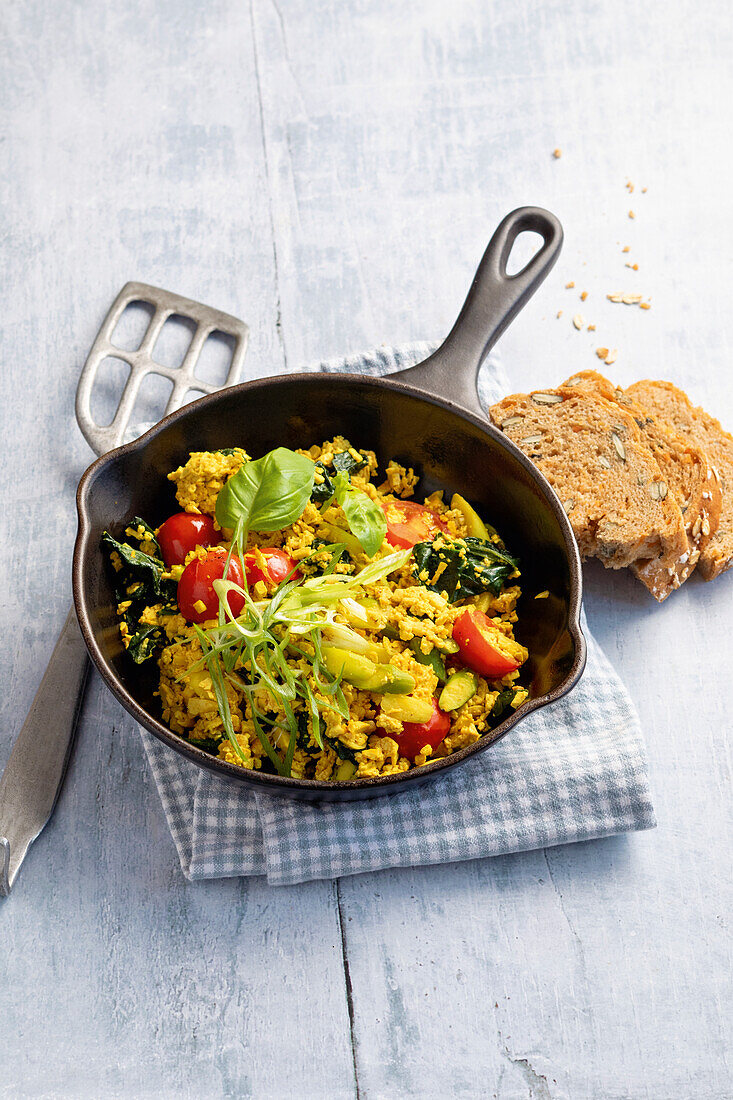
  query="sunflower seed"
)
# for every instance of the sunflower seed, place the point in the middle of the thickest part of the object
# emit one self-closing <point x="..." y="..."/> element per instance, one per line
<point x="696" y="527"/>
<point x="578" y="321"/>
<point x="568" y="505"/>
<point x="706" y="526"/>
<point x="546" y="398"/>
<point x="619" y="447"/>
<point x="662" y="490"/>
<point x="530" y="440"/>
<point x="604" y="462"/>
<point x="640" y="478"/>
<point x="511" y="421"/>
<point x="654" y="490"/>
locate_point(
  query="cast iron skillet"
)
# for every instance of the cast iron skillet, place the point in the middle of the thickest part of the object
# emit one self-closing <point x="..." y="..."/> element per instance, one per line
<point x="429" y="418"/>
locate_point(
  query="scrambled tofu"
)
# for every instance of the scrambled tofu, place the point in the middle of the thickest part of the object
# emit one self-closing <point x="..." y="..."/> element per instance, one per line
<point x="409" y="620"/>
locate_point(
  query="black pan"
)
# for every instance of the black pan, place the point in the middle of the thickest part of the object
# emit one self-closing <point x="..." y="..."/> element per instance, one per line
<point x="428" y="417"/>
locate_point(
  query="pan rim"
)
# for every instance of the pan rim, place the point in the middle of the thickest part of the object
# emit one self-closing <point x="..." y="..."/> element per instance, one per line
<point x="276" y="784"/>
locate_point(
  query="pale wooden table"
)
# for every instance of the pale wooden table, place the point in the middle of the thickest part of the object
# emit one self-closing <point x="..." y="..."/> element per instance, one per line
<point x="331" y="172"/>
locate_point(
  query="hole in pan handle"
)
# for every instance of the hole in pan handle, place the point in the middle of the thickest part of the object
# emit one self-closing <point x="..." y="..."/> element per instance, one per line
<point x="492" y="303"/>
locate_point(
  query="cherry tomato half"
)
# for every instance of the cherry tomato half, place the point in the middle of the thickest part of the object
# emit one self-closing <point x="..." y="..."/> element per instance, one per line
<point x="484" y="648"/>
<point x="197" y="599"/>
<point x="409" y="523"/>
<point x="182" y="533"/>
<point x="415" y="735"/>
<point x="276" y="566"/>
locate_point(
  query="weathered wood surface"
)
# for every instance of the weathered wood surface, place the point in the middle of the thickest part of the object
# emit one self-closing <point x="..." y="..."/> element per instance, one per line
<point x="331" y="173"/>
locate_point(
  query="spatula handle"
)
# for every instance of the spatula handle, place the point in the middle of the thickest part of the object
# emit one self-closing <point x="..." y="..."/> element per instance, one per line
<point x="35" y="771"/>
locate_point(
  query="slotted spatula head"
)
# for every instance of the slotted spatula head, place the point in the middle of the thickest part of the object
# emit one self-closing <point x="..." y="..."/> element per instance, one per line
<point x="30" y="784"/>
<point x="205" y="321"/>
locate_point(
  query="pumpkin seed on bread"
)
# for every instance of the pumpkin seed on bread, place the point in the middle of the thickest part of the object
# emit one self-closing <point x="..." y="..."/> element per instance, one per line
<point x="687" y="473"/>
<point x="672" y="406"/>
<point x="595" y="457"/>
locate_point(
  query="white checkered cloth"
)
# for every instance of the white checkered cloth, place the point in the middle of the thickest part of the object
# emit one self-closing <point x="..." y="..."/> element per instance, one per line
<point x="575" y="770"/>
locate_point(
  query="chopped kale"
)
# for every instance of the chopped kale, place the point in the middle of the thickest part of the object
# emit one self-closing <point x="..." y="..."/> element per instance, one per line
<point x="304" y="735"/>
<point x="139" y="582"/>
<point x="303" y="739"/>
<point x="138" y="524"/>
<point x="343" y="462"/>
<point x="336" y="552"/>
<point x="208" y="744"/>
<point x="503" y="700"/>
<point x="143" y="641"/>
<point x="462" y="567"/>
<point x="138" y="569"/>
<point x="340" y="749"/>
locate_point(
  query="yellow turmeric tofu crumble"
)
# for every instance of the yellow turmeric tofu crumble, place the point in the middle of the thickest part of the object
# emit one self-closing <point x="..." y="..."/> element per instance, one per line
<point x="309" y="618"/>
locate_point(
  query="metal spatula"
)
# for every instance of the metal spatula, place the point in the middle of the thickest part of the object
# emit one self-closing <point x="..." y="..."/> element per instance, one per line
<point x="34" y="774"/>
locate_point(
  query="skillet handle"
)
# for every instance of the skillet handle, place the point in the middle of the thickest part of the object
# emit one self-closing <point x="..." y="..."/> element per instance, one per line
<point x="494" y="300"/>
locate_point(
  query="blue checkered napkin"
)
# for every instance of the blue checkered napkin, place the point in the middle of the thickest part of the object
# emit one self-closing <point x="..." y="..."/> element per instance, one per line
<point x="575" y="770"/>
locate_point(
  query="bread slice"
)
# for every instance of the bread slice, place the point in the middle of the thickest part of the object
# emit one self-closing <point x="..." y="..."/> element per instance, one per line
<point x="686" y="471"/>
<point x="593" y="454"/>
<point x="702" y="430"/>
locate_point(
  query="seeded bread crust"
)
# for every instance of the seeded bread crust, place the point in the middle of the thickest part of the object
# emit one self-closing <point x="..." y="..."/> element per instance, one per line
<point x="687" y="472"/>
<point x="594" y="456"/>
<point x="702" y="430"/>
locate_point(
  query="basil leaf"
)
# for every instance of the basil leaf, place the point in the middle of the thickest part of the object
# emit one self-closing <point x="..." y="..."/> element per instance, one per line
<point x="462" y="567"/>
<point x="268" y="493"/>
<point x="365" y="518"/>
